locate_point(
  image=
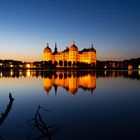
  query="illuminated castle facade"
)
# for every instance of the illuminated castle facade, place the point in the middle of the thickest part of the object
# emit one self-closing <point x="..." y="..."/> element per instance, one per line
<point x="71" y="54"/>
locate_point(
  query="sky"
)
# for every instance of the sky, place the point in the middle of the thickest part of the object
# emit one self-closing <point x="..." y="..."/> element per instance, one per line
<point x="113" y="26"/>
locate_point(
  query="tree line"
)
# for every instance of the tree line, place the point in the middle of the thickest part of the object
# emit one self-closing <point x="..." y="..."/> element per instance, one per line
<point x="135" y="63"/>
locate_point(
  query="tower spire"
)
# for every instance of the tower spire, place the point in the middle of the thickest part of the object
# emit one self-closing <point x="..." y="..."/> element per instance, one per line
<point x="92" y="45"/>
<point x="55" y="49"/>
<point x="47" y="44"/>
<point x="55" y="45"/>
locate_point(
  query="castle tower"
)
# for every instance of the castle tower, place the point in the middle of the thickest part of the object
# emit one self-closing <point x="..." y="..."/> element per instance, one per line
<point x="93" y="55"/>
<point x="55" y="49"/>
<point x="47" y="53"/>
<point x="73" y="52"/>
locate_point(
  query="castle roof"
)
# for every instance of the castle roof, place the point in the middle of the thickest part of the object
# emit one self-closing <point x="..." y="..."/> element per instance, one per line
<point x="54" y="53"/>
<point x="66" y="50"/>
<point x="47" y="49"/>
<point x="87" y="50"/>
<point x="84" y="50"/>
<point x="55" y="50"/>
<point x="92" y="50"/>
<point x="73" y="47"/>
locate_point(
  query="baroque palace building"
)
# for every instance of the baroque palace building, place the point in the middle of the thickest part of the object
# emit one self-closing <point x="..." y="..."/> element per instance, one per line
<point x="70" y="54"/>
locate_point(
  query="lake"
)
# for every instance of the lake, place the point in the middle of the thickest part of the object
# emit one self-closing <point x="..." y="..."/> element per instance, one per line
<point x="70" y="105"/>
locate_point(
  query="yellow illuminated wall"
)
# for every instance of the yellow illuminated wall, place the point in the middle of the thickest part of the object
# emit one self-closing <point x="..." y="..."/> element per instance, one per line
<point x="47" y="56"/>
<point x="72" y="55"/>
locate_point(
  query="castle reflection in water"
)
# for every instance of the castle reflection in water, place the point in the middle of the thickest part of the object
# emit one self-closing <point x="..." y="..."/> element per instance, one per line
<point x="69" y="80"/>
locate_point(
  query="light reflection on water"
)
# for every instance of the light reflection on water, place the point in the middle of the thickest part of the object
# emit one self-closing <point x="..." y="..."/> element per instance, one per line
<point x="70" y="81"/>
<point x="88" y="105"/>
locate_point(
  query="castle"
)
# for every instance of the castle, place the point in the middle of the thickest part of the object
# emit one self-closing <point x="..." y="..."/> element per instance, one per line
<point x="70" y="55"/>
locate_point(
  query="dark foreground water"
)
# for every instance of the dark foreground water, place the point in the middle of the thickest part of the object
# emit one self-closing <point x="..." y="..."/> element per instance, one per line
<point x="74" y="105"/>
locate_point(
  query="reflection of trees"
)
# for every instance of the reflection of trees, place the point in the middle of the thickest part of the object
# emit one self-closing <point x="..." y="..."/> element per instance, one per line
<point x="68" y="73"/>
<point x="46" y="131"/>
<point x="82" y="79"/>
<point x="125" y="74"/>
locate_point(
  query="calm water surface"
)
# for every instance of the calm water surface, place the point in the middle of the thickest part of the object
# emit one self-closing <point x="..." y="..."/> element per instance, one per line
<point x="81" y="105"/>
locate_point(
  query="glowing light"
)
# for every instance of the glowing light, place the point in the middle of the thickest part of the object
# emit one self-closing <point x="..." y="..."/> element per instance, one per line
<point x="20" y="65"/>
<point x="130" y="67"/>
<point x="139" y="72"/>
<point x="105" y="72"/>
<point x="11" y="73"/>
<point x="139" y="69"/>
<point x="28" y="73"/>
<point x="105" y="67"/>
<point x="130" y="72"/>
<point x="73" y="55"/>
<point x="71" y="83"/>
<point x="11" y="65"/>
<point x="20" y="73"/>
<point x="0" y="74"/>
<point x="28" y="65"/>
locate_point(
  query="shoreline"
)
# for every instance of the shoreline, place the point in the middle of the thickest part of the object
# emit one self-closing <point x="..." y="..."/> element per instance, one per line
<point x="68" y="69"/>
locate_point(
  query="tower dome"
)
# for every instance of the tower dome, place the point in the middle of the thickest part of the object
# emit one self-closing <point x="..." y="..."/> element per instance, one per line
<point x="92" y="49"/>
<point x="73" y="47"/>
<point x="47" y="49"/>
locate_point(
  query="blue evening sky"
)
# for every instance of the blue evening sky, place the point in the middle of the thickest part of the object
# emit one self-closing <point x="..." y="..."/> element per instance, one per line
<point x="113" y="26"/>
